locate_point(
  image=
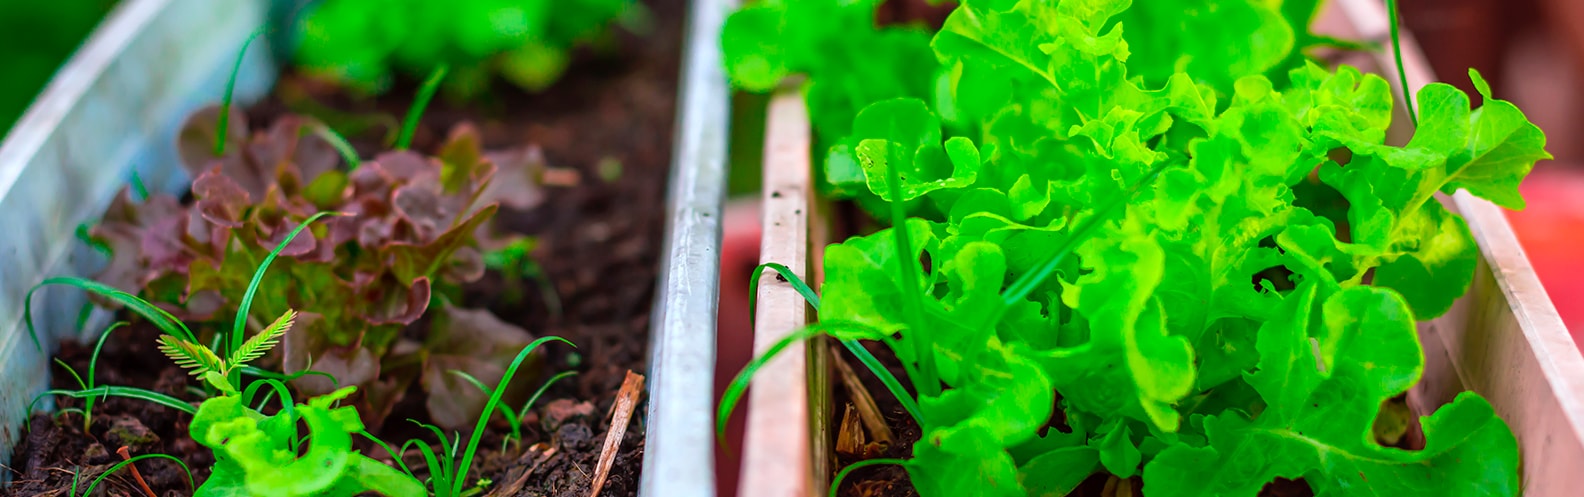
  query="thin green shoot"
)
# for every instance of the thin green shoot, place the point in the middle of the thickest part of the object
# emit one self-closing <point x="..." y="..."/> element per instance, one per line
<point x="420" y="103"/>
<point x="448" y="468"/>
<point x="155" y="315"/>
<point x="440" y="464"/>
<point x="840" y="330"/>
<point x="123" y="392"/>
<point x="513" y="419"/>
<point x="277" y="388"/>
<point x="230" y="92"/>
<point x="239" y="328"/>
<point x="842" y="475"/>
<point x="926" y="382"/>
<point x="63" y="412"/>
<point x="87" y="239"/>
<point x="130" y="461"/>
<point x="340" y="143"/>
<point x="140" y="190"/>
<point x="857" y="349"/>
<point x="1402" y="72"/>
<point x="89" y="383"/>
<point x="494" y="400"/>
<point x="395" y="456"/>
<point x="522" y="413"/>
<point x="265" y="373"/>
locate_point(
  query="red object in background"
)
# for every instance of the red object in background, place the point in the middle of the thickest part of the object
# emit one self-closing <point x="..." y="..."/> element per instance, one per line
<point x="734" y="339"/>
<point x="1551" y="230"/>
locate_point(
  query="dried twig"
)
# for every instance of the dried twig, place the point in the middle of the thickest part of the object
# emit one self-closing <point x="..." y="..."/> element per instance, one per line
<point x="542" y="452"/>
<point x="626" y="401"/>
<point x="868" y="411"/>
<point x="126" y="455"/>
<point x="849" y="437"/>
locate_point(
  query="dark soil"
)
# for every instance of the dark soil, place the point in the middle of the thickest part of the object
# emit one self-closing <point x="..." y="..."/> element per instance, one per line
<point x="598" y="244"/>
<point x="56" y="449"/>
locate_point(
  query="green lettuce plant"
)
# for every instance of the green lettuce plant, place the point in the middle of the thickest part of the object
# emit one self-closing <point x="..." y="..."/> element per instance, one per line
<point x="414" y="230"/>
<point x="1208" y="282"/>
<point x="366" y="43"/>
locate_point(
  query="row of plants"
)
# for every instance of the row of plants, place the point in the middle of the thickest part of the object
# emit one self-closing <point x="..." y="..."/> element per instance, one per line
<point x="1154" y="240"/>
<point x="304" y="264"/>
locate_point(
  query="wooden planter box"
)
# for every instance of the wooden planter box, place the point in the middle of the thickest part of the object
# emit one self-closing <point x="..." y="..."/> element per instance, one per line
<point x="115" y="108"/>
<point x="1503" y="339"/>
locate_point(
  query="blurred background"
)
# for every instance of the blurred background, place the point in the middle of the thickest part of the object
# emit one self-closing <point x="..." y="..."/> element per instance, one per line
<point x="35" y="38"/>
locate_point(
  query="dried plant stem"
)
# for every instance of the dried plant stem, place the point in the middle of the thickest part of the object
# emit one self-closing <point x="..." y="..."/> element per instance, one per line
<point x="126" y="455"/>
<point x="621" y="415"/>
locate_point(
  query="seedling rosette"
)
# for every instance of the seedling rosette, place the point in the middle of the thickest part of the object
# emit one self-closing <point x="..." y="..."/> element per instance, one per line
<point x="415" y="229"/>
<point x="1120" y="244"/>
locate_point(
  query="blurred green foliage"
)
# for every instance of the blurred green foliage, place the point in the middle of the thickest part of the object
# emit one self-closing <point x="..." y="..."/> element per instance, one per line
<point x="365" y="43"/>
<point x="35" y="39"/>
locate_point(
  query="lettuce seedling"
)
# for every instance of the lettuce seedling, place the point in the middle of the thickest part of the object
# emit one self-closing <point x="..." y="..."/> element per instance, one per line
<point x="414" y="231"/>
<point x="1207" y="286"/>
<point x="257" y="454"/>
<point x="366" y="43"/>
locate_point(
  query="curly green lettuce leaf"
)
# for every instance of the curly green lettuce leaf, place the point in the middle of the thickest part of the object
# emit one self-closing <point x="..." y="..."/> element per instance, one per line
<point x="1216" y="41"/>
<point x="904" y="134"/>
<point x="1324" y="390"/>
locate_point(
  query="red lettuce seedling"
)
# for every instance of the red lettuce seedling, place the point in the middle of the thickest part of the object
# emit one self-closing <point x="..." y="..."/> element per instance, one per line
<point x="414" y="232"/>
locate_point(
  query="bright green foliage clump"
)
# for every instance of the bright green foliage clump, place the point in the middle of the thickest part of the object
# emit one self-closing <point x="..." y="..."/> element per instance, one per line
<point x="256" y="454"/>
<point x="366" y="43"/>
<point x="849" y="61"/>
<point x="1250" y="258"/>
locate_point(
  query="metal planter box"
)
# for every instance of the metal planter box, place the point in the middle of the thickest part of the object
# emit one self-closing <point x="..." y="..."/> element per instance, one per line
<point x="114" y="110"/>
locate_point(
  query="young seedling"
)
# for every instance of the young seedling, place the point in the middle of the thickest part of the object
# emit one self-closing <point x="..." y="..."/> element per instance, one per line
<point x="448" y="468"/>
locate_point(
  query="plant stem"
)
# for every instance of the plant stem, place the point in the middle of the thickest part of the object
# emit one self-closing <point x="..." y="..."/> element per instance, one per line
<point x="126" y="455"/>
<point x="1402" y="72"/>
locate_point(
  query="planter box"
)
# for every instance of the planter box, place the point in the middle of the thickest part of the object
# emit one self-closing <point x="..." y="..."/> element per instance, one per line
<point x="114" y="110"/>
<point x="1503" y="339"/>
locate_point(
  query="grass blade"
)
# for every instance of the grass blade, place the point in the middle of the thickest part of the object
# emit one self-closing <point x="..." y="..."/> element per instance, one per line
<point x="542" y="388"/>
<point x="125" y="392"/>
<point x="1402" y="73"/>
<point x="842" y="475"/>
<point x="230" y="92"/>
<point x="239" y="328"/>
<point x="134" y="459"/>
<point x="494" y="400"/>
<point x="739" y="384"/>
<point x="857" y="349"/>
<point x="340" y="144"/>
<point x="786" y="274"/>
<point x="159" y="317"/>
<point x="420" y="103"/>
<point x="511" y="417"/>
